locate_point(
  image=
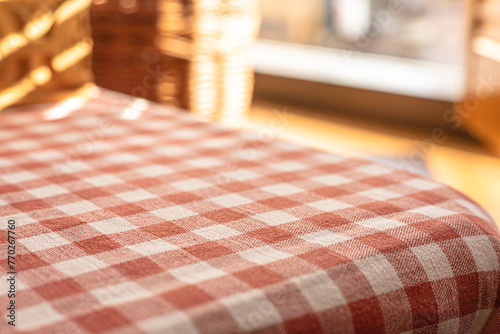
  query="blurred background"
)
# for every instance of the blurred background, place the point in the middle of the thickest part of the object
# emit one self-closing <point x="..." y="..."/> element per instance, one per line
<point x="411" y="83"/>
<point x="416" y="29"/>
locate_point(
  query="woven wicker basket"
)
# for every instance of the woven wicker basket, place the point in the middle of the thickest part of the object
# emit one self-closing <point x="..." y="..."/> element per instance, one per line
<point x="45" y="50"/>
<point x="186" y="53"/>
<point x="221" y="78"/>
<point x="122" y="37"/>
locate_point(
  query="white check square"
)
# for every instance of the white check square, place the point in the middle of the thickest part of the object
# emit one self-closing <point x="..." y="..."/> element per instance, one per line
<point x="381" y="223"/>
<point x="329" y="205"/>
<point x="434" y="212"/>
<point x="241" y="175"/>
<point x="21" y="219"/>
<point x="275" y="217"/>
<point x="48" y="191"/>
<point x="264" y="255"/>
<point x="217" y="232"/>
<point x="380" y="273"/>
<point x="230" y="200"/>
<point x="375" y="170"/>
<point x="379" y="194"/>
<point x="103" y="180"/>
<point x="138" y="140"/>
<point x="190" y="184"/>
<point x="5" y="162"/>
<point x="120" y="293"/>
<point x="217" y="143"/>
<point x="252" y="310"/>
<point x="44" y="241"/>
<point x="252" y="154"/>
<point x="422" y="184"/>
<point x="79" y="266"/>
<point x="77" y="208"/>
<point x="325" y="238"/>
<point x="135" y="195"/>
<point x="288" y="166"/>
<point x="122" y="158"/>
<point x="197" y="272"/>
<point x="69" y="137"/>
<point x="480" y="320"/>
<point x="205" y="162"/>
<point x="7" y="135"/>
<point x="170" y="151"/>
<point x="453" y="326"/>
<point x="283" y="189"/>
<point x="46" y="127"/>
<point x="21" y="286"/>
<point x="184" y="133"/>
<point x="19" y="177"/>
<point x="174" y="212"/>
<point x="320" y="291"/>
<point x="475" y="209"/>
<point x="113" y="225"/>
<point x="46" y="155"/>
<point x="71" y="166"/>
<point x="170" y="323"/>
<point x="331" y="180"/>
<point x="23" y="145"/>
<point x="152" y="247"/>
<point x="330" y="158"/>
<point x="37" y="317"/>
<point x="434" y="261"/>
<point x="155" y="170"/>
<point x="482" y="251"/>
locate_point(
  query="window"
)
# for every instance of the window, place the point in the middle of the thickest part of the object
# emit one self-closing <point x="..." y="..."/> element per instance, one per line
<point x="405" y="47"/>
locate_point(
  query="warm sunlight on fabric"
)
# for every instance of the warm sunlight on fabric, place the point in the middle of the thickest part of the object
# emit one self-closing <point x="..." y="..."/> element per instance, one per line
<point x="71" y="56"/>
<point x="64" y="108"/>
<point x="138" y="107"/>
<point x="77" y="100"/>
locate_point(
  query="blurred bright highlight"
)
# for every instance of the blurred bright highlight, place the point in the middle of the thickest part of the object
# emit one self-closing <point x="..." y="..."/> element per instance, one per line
<point x="136" y="110"/>
<point x="67" y="107"/>
<point x="487" y="48"/>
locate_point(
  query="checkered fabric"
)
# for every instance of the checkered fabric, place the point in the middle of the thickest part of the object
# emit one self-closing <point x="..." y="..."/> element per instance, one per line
<point x="164" y="224"/>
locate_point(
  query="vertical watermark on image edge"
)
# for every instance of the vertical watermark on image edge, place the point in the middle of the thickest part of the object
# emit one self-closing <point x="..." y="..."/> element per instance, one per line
<point x="11" y="272"/>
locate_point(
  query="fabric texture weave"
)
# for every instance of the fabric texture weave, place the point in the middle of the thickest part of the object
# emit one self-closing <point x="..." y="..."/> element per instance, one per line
<point x="164" y="224"/>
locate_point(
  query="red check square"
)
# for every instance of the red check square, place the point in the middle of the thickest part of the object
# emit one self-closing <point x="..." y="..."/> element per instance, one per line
<point x="187" y="297"/>
<point x="138" y="268"/>
<point x="271" y="235"/>
<point x="97" y="244"/>
<point x="258" y="277"/>
<point x="102" y="320"/>
<point x="208" y="250"/>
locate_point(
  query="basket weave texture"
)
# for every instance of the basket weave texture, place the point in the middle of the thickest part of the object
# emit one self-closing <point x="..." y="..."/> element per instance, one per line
<point x="186" y="53"/>
<point x="45" y="49"/>
<point x="123" y="45"/>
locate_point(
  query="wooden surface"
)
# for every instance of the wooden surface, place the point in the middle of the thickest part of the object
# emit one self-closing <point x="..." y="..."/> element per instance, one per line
<point x="481" y="108"/>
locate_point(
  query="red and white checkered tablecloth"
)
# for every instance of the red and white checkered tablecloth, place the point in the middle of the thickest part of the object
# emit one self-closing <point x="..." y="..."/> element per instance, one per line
<point x="164" y="224"/>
